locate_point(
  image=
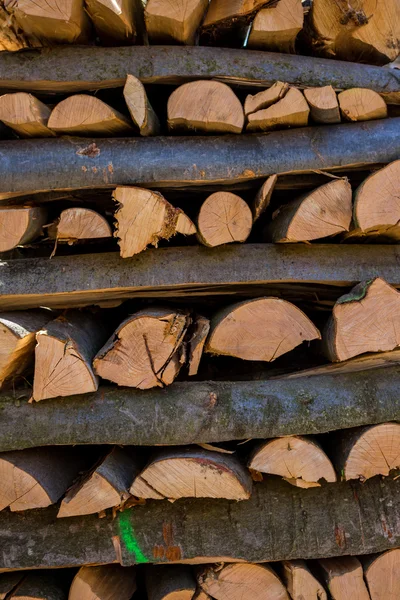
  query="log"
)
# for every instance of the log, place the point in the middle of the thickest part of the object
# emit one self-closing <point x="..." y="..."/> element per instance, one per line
<point x="25" y="115"/>
<point x="291" y="111"/>
<point x="192" y="473"/>
<point x="276" y="28"/>
<point x="117" y="22"/>
<point x="200" y="331"/>
<point x="36" y="478"/>
<point x="299" y="460"/>
<point x="367" y="452"/>
<point x="344" y="578"/>
<point x="105" y="486"/>
<point x="260" y="329"/>
<point x="364" y="320"/>
<point x="263" y="197"/>
<point x="237" y="581"/>
<point x="8" y="582"/>
<point x="265" y="98"/>
<point x="18" y="339"/>
<point x="224" y="218"/>
<point x="144" y="217"/>
<point x="38" y="586"/>
<point x="361" y="104"/>
<point x="140" y="109"/>
<point x="80" y="224"/>
<point x="324" y="104"/>
<point x="300" y="582"/>
<point x="10" y="38"/>
<point x="175" y="23"/>
<point x="322" y="213"/>
<point x="20" y="225"/>
<point x="146" y="350"/>
<point x="64" y="353"/>
<point x="64" y="163"/>
<point x="88" y="116"/>
<point x="206" y="107"/>
<point x="170" y="583"/>
<point x="108" y="582"/>
<point x="382" y="575"/>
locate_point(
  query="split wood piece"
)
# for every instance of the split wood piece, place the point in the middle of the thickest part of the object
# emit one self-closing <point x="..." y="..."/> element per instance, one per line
<point x="11" y="38"/>
<point x="362" y="104"/>
<point x="362" y="31"/>
<point x="64" y="353"/>
<point x="177" y="22"/>
<point x="38" y="586"/>
<point x="37" y="477"/>
<point x="18" y="339"/>
<point x="80" y="224"/>
<point x="201" y="329"/>
<point x="322" y="213"/>
<point x="175" y="582"/>
<point x="224" y="218"/>
<point x="367" y="452"/>
<point x="52" y="22"/>
<point x="239" y="580"/>
<point x="105" y="486"/>
<point x="291" y="111"/>
<point x="382" y="574"/>
<point x="140" y="109"/>
<point x="344" y="578"/>
<point x="20" y="225"/>
<point x="276" y="28"/>
<point x="367" y="319"/>
<point x="107" y="582"/>
<point x="199" y="595"/>
<point x="263" y="197"/>
<point x="300" y="582"/>
<point x="192" y="473"/>
<point x="324" y="104"/>
<point x="146" y="350"/>
<point x="205" y="106"/>
<point x="87" y="115"/>
<point x="117" y="22"/>
<point x="265" y="98"/>
<point x="299" y="460"/>
<point x="260" y="329"/>
<point x="8" y="582"/>
<point x="26" y="115"/>
<point x="144" y="217"/>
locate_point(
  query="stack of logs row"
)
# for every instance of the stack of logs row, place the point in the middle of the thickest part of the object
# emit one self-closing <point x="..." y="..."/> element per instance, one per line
<point x="199" y="300"/>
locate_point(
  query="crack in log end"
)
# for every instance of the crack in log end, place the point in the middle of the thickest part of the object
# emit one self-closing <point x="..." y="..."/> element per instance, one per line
<point x="340" y="537"/>
<point x="92" y="151"/>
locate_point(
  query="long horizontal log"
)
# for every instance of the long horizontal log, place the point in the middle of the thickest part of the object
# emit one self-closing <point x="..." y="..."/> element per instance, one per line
<point x="76" y="69"/>
<point x="65" y="281"/>
<point x="68" y="163"/>
<point x="206" y="411"/>
<point x="279" y="522"/>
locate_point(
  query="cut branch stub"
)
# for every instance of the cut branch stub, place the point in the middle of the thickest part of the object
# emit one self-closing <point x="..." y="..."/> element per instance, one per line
<point x="37" y="477"/>
<point x="344" y="578"/>
<point x="117" y="22"/>
<point x="382" y="574"/>
<point x="26" y="115"/>
<point x="174" y="23"/>
<point x="80" y="224"/>
<point x="107" y="582"/>
<point x="321" y="213"/>
<point x="87" y="115"/>
<point x="38" y="586"/>
<point x="105" y="486"/>
<point x="261" y="329"/>
<point x="20" y="225"/>
<point x="324" y="104"/>
<point x="205" y="106"/>
<point x="362" y="104"/>
<point x="64" y="353"/>
<point x="367" y="319"/>
<point x="263" y="197"/>
<point x="265" y="98"/>
<point x="238" y="581"/>
<point x="224" y="218"/>
<point x="139" y="107"/>
<point x="299" y="460"/>
<point x="276" y="28"/>
<point x="144" y="217"/>
<point x="291" y="111"/>
<point x="192" y="473"/>
<point x="300" y="582"/>
<point x="146" y="350"/>
<point x="170" y="582"/>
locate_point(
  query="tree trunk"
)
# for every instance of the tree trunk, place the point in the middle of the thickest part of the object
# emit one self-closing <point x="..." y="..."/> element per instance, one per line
<point x="263" y="197"/>
<point x="360" y="104"/>
<point x="276" y="28"/>
<point x="300" y="582"/>
<point x="80" y="224"/>
<point x="175" y="23"/>
<point x="25" y="115"/>
<point x="224" y="218"/>
<point x="140" y="109"/>
<point x="117" y="22"/>
<point x="37" y="586"/>
<point x="324" y="104"/>
<point x="108" y="582"/>
<point x="382" y="575"/>
<point x="291" y="111"/>
<point x="170" y="583"/>
<point x="20" y="225"/>
<point x="344" y="578"/>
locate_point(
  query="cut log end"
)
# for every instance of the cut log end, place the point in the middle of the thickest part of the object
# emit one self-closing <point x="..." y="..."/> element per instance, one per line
<point x="20" y="490"/>
<point x="175" y="23"/>
<point x="276" y="28"/>
<point x="344" y="578"/>
<point x="81" y="224"/>
<point x="26" y="115"/>
<point x="324" y="104"/>
<point x="300" y="582"/>
<point x="117" y="22"/>
<point x="382" y="576"/>
<point x="107" y="582"/>
<point x="266" y="98"/>
<point x="361" y="104"/>
<point x="20" y="225"/>
<point x="170" y="583"/>
<point x="291" y="111"/>
<point x="263" y="197"/>
<point x="139" y="107"/>
<point x="224" y="218"/>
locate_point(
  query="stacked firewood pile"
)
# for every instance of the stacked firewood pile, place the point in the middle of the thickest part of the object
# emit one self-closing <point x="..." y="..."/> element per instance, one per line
<point x="199" y="300"/>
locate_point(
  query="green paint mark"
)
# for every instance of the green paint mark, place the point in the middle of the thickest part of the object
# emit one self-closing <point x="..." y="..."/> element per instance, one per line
<point x="129" y="539"/>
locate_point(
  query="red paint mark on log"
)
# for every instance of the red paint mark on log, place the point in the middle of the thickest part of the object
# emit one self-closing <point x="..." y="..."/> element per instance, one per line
<point x="168" y="534"/>
<point x="340" y="536"/>
<point x="91" y="151"/>
<point x="173" y="553"/>
<point x="159" y="552"/>
<point x="386" y="531"/>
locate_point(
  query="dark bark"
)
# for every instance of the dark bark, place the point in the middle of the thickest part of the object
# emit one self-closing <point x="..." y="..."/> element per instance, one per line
<point x="279" y="522"/>
<point x="78" y="163"/>
<point x="207" y="412"/>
